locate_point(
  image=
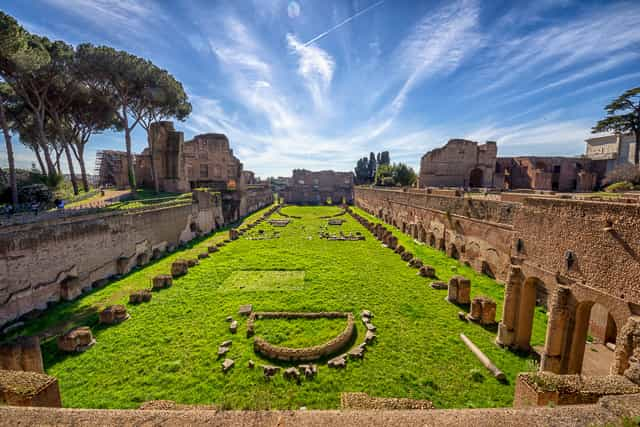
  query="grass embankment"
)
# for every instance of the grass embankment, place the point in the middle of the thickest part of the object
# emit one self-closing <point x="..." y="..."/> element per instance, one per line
<point x="167" y="350"/>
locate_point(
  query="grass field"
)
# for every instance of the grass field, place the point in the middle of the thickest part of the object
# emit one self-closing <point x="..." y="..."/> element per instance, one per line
<point x="167" y="350"/>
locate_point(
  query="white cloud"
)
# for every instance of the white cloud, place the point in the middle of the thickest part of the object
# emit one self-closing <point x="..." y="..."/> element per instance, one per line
<point x="315" y="65"/>
<point x="293" y="9"/>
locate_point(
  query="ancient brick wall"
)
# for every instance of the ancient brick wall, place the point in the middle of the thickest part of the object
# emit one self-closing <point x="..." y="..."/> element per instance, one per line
<point x="47" y="261"/>
<point x="460" y="163"/>
<point x="309" y="187"/>
<point x="603" y="238"/>
<point x="475" y="231"/>
<point x="588" y="251"/>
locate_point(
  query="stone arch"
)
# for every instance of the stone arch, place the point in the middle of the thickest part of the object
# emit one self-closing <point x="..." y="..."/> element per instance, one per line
<point x="476" y="177"/>
<point x="518" y="310"/>
<point x="432" y="240"/>
<point x="575" y="353"/>
<point x="569" y="321"/>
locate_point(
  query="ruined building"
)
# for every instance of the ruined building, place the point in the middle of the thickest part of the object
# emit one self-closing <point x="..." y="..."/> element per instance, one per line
<point x="206" y="161"/>
<point x="463" y="163"/>
<point x="612" y="150"/>
<point x="307" y="187"/>
<point x="460" y="163"/>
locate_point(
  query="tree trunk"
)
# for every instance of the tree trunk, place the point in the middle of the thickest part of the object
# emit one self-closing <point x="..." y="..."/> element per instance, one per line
<point x="36" y="150"/>
<point x="83" y="170"/>
<point x="51" y="169"/>
<point x="637" y="132"/>
<point x="130" y="169"/>
<point x="12" y="166"/>
<point x="42" y="140"/>
<point x="58" y="167"/>
<point x="72" y="172"/>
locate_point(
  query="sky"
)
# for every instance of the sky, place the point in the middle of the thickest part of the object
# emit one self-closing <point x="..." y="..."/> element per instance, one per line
<point x="318" y="84"/>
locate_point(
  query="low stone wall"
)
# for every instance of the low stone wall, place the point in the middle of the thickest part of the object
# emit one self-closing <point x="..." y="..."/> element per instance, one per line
<point x="610" y="410"/>
<point x="308" y="353"/>
<point x="543" y="388"/>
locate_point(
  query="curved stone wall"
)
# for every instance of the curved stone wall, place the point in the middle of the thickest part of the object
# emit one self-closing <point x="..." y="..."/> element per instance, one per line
<point x="306" y="354"/>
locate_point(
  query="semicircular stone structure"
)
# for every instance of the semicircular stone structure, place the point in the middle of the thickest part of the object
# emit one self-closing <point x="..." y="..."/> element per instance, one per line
<point x="305" y="354"/>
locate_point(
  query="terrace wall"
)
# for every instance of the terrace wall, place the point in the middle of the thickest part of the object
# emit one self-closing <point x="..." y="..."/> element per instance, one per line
<point x="48" y="261"/>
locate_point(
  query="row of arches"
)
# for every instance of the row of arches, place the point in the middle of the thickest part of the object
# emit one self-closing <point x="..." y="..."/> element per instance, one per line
<point x="572" y="322"/>
<point x="574" y="317"/>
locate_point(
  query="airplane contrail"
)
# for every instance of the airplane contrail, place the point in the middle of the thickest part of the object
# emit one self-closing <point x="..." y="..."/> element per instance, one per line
<point x="346" y="21"/>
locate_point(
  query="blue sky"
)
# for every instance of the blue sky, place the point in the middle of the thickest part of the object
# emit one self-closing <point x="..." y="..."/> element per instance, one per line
<point x="319" y="83"/>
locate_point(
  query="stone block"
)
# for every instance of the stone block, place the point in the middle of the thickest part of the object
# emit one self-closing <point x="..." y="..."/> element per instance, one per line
<point x="76" y="340"/>
<point x="438" y="285"/>
<point x="406" y="256"/>
<point x="291" y="373"/>
<point x="113" y="314"/>
<point x="427" y="271"/>
<point x="192" y="262"/>
<point x="203" y="255"/>
<point x="26" y="388"/>
<point x="245" y="310"/>
<point x="338" y="362"/>
<point x="179" y="268"/>
<point x="163" y="281"/>
<point x="227" y="364"/>
<point x="139" y="297"/>
<point x="212" y="249"/>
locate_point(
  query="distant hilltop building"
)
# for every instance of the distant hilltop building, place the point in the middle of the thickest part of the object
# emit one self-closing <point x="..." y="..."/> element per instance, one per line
<point x="460" y="163"/>
<point x="468" y="164"/>
<point x="205" y="161"/>
<point x="613" y="150"/>
<point x="313" y="188"/>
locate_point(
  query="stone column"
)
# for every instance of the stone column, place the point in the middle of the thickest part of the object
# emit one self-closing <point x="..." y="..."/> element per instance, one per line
<point x="464" y="290"/>
<point x="556" y="332"/>
<point x="24" y="354"/>
<point x="507" y="325"/>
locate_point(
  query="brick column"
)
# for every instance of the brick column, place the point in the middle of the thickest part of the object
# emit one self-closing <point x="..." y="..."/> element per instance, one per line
<point x="507" y="325"/>
<point x="556" y="332"/>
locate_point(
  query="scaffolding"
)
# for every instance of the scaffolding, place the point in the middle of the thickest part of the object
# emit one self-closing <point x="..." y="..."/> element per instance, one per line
<point x="111" y="168"/>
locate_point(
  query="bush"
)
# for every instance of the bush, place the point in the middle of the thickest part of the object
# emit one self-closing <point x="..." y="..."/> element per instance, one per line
<point x="619" y="187"/>
<point x="38" y="193"/>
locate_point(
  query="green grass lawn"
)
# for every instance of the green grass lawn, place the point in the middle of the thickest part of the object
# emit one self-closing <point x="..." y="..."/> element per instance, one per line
<point x="167" y="350"/>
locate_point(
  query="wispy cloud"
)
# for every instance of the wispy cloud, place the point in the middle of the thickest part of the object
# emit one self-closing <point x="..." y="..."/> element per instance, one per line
<point x="315" y="66"/>
<point x="437" y="45"/>
<point x="593" y="37"/>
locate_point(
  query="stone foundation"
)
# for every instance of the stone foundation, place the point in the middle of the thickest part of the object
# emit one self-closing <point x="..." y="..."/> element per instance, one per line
<point x="302" y="354"/>
<point x="542" y="389"/>
<point x="22" y="388"/>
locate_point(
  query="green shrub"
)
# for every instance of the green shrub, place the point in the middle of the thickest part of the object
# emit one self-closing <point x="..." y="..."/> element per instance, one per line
<point x="619" y="187"/>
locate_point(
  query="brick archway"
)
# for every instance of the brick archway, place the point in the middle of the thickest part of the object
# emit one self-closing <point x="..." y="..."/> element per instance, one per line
<point x="476" y="178"/>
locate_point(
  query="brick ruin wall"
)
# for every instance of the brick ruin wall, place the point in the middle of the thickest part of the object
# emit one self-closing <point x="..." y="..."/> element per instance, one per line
<point x="44" y="262"/>
<point x="480" y="232"/>
<point x="538" y="234"/>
